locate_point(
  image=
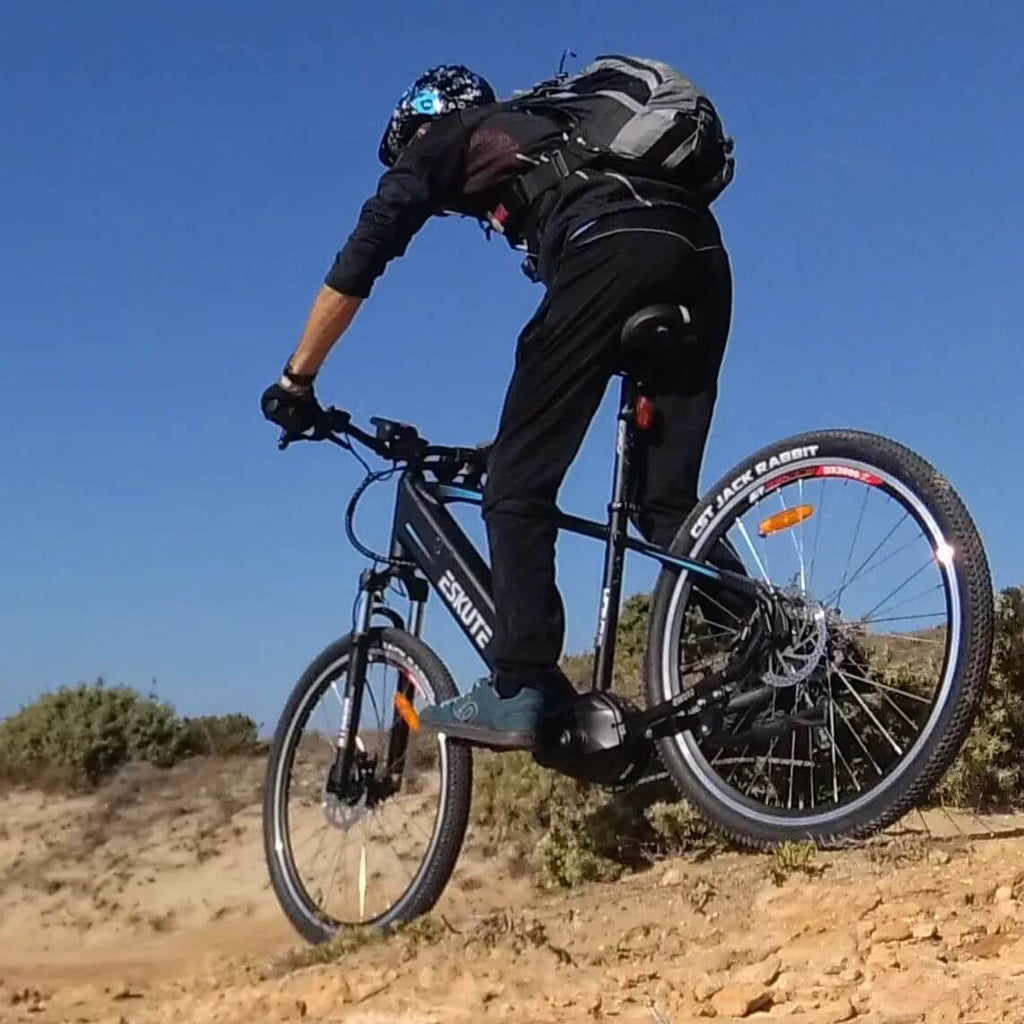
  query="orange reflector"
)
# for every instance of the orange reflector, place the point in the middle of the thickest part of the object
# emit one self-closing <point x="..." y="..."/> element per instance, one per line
<point x="785" y="519"/>
<point x="643" y="417"/>
<point x="404" y="707"/>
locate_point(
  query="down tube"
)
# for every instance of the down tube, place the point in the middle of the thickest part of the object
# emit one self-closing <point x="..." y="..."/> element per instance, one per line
<point x="426" y="532"/>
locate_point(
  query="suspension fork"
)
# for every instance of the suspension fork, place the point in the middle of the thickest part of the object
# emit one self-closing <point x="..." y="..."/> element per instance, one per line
<point x="340" y="778"/>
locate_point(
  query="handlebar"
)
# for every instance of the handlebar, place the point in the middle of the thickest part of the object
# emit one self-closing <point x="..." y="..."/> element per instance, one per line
<point x="398" y="442"/>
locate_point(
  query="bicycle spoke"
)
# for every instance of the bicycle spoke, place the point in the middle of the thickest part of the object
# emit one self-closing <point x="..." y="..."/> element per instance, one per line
<point x="860" y="742"/>
<point x="862" y="569"/>
<point x="892" y="593"/>
<point x="798" y="548"/>
<point x="746" y="537"/>
<point x="817" y="531"/>
<point x="885" y="696"/>
<point x="884" y="686"/>
<point x="717" y="604"/>
<point x="853" y="544"/>
<point x="911" y="638"/>
<point x="837" y="750"/>
<point x="907" y="618"/>
<point x="792" y="769"/>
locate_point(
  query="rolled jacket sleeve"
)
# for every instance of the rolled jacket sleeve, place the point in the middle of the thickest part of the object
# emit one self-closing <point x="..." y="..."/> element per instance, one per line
<point x="427" y="177"/>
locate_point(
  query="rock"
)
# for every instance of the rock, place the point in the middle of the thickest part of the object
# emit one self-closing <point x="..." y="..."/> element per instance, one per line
<point x="987" y="946"/>
<point x="719" y="958"/>
<point x="881" y="956"/>
<point x="939" y="857"/>
<point x="1003" y="894"/>
<point x="865" y="929"/>
<point x="926" y="930"/>
<point x="892" y="931"/>
<point x="671" y="877"/>
<point x="706" y="988"/>
<point x="851" y="975"/>
<point x="1006" y="910"/>
<point x="1011" y="959"/>
<point x="833" y="1013"/>
<point x="945" y="1013"/>
<point x="785" y="985"/>
<point x="741" y="1000"/>
<point x="762" y="974"/>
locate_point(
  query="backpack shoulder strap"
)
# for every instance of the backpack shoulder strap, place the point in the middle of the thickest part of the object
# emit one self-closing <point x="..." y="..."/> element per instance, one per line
<point x="553" y="168"/>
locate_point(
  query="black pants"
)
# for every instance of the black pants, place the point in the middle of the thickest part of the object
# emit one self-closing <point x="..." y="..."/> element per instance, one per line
<point x="566" y="355"/>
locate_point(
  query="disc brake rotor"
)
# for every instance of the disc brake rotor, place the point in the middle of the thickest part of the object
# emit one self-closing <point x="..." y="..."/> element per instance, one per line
<point x="808" y="637"/>
<point x="341" y="814"/>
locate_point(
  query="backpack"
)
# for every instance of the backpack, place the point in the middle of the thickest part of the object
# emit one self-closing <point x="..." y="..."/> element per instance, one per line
<point x="627" y="114"/>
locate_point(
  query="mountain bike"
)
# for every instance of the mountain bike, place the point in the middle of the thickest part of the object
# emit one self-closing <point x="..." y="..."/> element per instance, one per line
<point x="818" y="639"/>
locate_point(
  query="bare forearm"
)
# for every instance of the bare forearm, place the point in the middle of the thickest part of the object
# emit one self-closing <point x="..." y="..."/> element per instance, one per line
<point x="329" y="318"/>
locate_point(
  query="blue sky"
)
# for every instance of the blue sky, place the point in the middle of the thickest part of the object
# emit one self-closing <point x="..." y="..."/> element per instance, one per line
<point x="175" y="180"/>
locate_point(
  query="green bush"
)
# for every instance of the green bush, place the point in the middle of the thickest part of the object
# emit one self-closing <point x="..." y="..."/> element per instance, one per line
<point x="80" y="735"/>
<point x="220" y="735"/>
<point x="680" y="829"/>
<point x="566" y="855"/>
<point x="990" y="769"/>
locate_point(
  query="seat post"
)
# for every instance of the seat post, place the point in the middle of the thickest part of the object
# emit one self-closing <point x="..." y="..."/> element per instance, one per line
<point x="618" y="521"/>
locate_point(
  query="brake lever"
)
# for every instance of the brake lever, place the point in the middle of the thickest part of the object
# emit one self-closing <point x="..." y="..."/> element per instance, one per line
<point x="332" y="419"/>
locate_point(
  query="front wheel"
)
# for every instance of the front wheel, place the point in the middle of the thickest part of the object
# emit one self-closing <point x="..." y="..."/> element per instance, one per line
<point x="381" y="854"/>
<point x="851" y="720"/>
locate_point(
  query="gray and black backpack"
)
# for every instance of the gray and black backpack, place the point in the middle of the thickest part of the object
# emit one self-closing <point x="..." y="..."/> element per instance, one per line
<point x="631" y="115"/>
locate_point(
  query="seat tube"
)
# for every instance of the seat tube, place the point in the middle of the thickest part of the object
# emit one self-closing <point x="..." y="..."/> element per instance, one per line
<point x="618" y="519"/>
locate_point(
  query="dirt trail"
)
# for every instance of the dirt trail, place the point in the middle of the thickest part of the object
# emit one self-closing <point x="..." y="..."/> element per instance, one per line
<point x="148" y="903"/>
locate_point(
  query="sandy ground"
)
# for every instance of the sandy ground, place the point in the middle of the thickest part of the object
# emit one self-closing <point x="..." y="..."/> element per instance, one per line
<point x="148" y="902"/>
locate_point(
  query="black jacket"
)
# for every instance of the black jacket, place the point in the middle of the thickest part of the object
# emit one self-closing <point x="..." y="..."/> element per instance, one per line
<point x="463" y="163"/>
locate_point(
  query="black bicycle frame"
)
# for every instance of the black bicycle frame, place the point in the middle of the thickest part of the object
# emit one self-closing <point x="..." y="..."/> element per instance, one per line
<point x="426" y="536"/>
<point x="430" y="549"/>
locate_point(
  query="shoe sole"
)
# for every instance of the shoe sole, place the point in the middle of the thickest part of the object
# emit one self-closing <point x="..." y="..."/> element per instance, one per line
<point x="480" y="737"/>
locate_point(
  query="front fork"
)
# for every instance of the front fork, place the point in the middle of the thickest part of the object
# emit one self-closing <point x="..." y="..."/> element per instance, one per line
<point x="340" y="781"/>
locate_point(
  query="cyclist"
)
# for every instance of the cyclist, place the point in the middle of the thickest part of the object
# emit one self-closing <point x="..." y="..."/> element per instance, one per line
<point x="605" y="244"/>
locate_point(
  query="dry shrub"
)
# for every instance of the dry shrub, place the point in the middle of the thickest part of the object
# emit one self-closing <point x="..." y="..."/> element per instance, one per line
<point x="990" y="769"/>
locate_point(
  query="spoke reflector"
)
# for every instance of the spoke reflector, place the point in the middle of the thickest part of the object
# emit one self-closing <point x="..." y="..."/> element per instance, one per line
<point x="407" y="712"/>
<point x="785" y="519"/>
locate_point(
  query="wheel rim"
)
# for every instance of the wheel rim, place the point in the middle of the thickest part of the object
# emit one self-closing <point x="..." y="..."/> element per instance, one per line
<point x="361" y="866"/>
<point x="844" y="788"/>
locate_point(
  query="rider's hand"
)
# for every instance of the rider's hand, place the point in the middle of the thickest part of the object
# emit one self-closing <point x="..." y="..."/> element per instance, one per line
<point x="292" y="407"/>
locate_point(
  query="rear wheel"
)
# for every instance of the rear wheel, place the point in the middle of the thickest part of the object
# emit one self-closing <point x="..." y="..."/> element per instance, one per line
<point x="887" y="589"/>
<point x="383" y="855"/>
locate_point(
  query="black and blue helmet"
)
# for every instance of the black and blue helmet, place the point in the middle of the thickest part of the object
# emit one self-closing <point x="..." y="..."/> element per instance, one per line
<point x="437" y="92"/>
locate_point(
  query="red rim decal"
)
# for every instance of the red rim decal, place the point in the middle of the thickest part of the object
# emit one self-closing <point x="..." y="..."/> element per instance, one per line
<point x="849" y="473"/>
<point x="835" y="472"/>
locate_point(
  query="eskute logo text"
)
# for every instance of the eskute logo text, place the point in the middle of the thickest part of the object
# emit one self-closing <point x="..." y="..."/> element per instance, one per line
<point x="464" y="608"/>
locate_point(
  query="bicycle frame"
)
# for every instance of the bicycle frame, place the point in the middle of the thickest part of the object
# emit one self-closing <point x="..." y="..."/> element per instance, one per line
<point x="426" y="537"/>
<point x="429" y="549"/>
